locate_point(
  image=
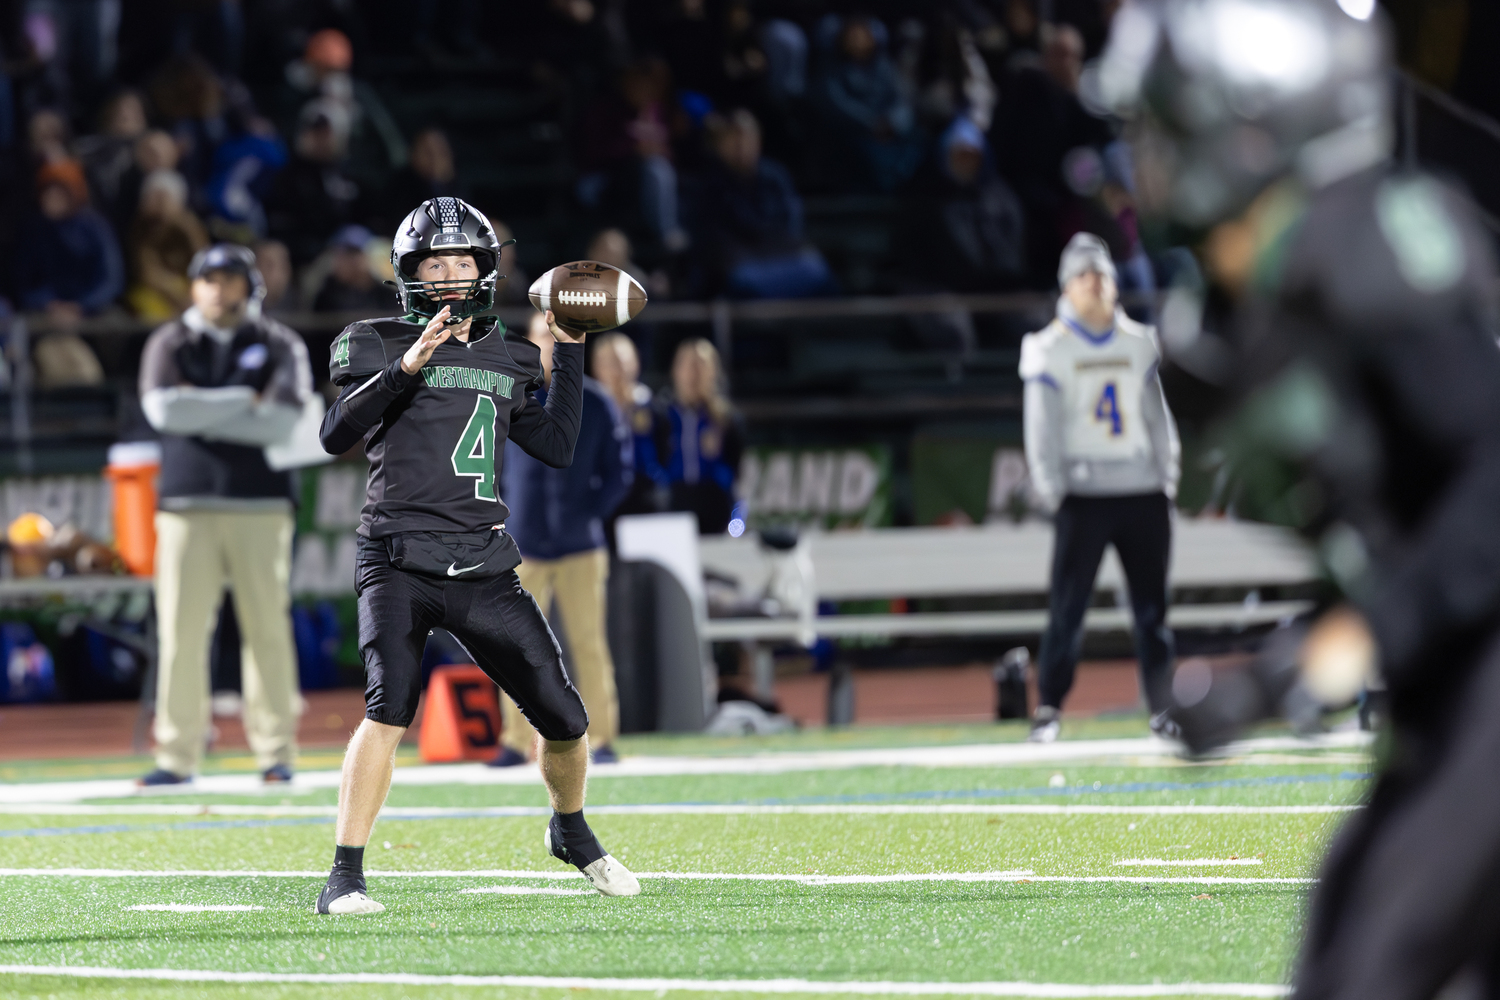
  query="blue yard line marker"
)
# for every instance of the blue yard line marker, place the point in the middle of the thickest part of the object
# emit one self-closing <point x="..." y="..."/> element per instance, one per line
<point x="976" y="793"/>
<point x="1119" y="789"/>
<point x="209" y="824"/>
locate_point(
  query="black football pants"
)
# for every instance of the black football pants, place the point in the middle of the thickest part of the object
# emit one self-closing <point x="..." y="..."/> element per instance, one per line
<point x="495" y="620"/>
<point x="1407" y="898"/>
<point x="1140" y="529"/>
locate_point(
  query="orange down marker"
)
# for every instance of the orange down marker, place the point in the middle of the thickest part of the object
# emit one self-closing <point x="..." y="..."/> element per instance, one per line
<point x="462" y="717"/>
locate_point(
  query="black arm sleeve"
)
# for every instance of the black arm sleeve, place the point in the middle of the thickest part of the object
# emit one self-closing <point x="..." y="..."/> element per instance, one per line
<point x="360" y="407"/>
<point x="549" y="433"/>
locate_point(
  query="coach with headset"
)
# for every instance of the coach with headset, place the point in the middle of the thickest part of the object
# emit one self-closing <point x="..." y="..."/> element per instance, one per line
<point x="220" y="384"/>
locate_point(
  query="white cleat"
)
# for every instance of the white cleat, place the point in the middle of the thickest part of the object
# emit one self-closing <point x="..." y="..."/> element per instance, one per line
<point x="612" y="878"/>
<point x="607" y="875"/>
<point x="354" y="902"/>
<point x="1045" y="727"/>
<point x="1044" y="732"/>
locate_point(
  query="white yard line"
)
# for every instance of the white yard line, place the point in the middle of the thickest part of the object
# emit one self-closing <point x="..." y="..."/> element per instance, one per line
<point x="1186" y="862"/>
<point x="1013" y="875"/>
<point x="668" y="809"/>
<point x="661" y="985"/>
<point x="525" y="890"/>
<point x="977" y="755"/>
<point x="193" y="908"/>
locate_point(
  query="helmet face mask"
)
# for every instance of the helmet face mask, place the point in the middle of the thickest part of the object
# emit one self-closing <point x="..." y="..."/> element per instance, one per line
<point x="475" y="295"/>
<point x="446" y="227"/>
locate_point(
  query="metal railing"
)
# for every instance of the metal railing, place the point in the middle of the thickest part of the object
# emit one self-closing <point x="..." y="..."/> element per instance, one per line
<point x="721" y="316"/>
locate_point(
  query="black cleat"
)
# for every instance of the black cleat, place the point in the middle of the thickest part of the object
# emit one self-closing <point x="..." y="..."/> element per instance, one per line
<point x="346" y="894"/>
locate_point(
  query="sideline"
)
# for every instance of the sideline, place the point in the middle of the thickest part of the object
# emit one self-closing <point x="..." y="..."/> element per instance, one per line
<point x="661" y="985"/>
<point x="665" y="809"/>
<point x="781" y="762"/>
<point x="1010" y="875"/>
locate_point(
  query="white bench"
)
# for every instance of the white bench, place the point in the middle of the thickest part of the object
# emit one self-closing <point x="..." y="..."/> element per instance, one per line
<point x="1007" y="560"/>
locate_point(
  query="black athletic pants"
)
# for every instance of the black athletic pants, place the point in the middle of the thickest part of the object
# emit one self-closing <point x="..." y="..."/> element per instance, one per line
<point x="1140" y="529"/>
<point x="495" y="620"/>
<point x="1407" y="897"/>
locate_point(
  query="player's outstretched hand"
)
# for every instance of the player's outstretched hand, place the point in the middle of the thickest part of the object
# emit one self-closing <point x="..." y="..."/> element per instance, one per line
<point x="433" y="334"/>
<point x="561" y="335"/>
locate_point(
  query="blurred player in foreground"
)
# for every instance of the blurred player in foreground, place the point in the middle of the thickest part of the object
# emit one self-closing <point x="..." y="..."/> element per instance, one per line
<point x="1364" y="368"/>
<point x="435" y="394"/>
<point x="1103" y="455"/>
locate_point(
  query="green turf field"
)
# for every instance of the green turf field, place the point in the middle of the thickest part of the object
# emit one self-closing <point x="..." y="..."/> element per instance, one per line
<point x="908" y="879"/>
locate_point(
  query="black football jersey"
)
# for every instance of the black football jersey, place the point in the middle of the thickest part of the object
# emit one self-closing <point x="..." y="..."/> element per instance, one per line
<point x="436" y="439"/>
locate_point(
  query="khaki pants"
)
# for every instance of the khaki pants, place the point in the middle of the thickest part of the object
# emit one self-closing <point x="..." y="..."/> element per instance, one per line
<point x="578" y="583"/>
<point x="197" y="552"/>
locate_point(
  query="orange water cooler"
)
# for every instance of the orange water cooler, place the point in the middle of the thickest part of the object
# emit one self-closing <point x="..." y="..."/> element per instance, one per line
<point x="132" y="469"/>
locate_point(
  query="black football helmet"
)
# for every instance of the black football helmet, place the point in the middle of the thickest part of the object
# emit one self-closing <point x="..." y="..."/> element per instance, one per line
<point x="439" y="226"/>
<point x="1224" y="97"/>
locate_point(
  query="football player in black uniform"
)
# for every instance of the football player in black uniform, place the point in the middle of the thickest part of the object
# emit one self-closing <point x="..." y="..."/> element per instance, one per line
<point x="1364" y="371"/>
<point x="434" y="394"/>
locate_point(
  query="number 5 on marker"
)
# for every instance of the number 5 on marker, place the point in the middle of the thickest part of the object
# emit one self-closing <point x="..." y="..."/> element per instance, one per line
<point x="1108" y="409"/>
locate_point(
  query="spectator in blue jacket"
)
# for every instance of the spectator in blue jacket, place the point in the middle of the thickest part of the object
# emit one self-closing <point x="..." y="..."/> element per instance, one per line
<point x="698" y="438"/>
<point x="751" y="218"/>
<point x="557" y="519"/>
<point x="865" y="104"/>
<point x="73" y="265"/>
<point x="617" y="367"/>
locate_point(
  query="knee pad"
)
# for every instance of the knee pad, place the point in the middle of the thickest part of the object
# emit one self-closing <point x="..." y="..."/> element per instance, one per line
<point x="566" y="727"/>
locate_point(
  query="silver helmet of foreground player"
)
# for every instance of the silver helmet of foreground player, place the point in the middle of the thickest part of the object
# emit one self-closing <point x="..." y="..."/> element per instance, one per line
<point x="1225" y="96"/>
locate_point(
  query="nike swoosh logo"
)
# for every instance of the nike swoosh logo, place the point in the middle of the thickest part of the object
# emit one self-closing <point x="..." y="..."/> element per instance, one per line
<point x="453" y="569"/>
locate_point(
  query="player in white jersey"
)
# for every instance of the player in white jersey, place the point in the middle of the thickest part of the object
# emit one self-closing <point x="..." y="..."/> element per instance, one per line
<point x="1103" y="454"/>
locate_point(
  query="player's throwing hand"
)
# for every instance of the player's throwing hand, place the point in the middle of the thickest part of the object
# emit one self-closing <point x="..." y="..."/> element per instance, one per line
<point x="560" y="334"/>
<point x="433" y="334"/>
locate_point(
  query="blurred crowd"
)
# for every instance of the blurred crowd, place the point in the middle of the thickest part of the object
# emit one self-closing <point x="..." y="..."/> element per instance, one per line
<point x="133" y="134"/>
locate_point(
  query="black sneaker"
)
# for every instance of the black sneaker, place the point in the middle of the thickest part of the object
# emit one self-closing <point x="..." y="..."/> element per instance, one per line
<point x="277" y="774"/>
<point x="346" y="894"/>
<point x="605" y="755"/>
<point x="605" y="873"/>
<point x="508" y="758"/>
<point x="161" y="776"/>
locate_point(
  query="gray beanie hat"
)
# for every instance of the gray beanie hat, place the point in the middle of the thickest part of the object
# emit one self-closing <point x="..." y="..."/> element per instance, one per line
<point x="1085" y="252"/>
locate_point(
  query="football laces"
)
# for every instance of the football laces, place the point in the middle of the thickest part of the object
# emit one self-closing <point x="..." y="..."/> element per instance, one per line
<point x="575" y="297"/>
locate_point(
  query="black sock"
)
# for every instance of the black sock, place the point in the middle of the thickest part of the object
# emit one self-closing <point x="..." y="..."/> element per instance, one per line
<point x="582" y="846"/>
<point x="348" y="860"/>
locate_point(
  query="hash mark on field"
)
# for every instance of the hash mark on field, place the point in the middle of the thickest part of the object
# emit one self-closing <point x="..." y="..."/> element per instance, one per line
<point x="662" y="985"/>
<point x="1187" y="862"/>
<point x="194" y="908"/>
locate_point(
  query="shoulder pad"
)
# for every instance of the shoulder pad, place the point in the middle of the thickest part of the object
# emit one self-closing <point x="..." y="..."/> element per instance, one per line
<point x="366" y="347"/>
<point x="1034" y="351"/>
<point x="1134" y="328"/>
<point x="1423" y="236"/>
